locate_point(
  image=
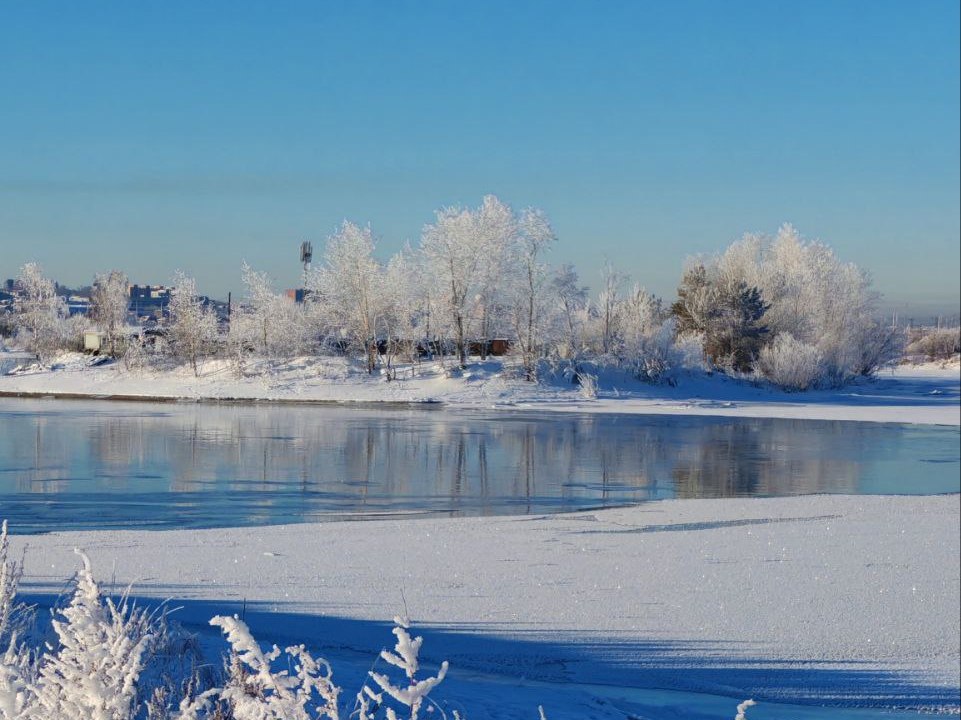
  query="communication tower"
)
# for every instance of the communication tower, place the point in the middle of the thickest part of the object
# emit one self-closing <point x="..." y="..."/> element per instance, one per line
<point x="306" y="255"/>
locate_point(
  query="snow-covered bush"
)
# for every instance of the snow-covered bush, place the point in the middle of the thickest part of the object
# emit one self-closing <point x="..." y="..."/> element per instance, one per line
<point x="587" y="385"/>
<point x="934" y="343"/>
<point x="690" y="351"/>
<point x="16" y="662"/>
<point x="790" y="363"/>
<point x="256" y="691"/>
<point x="92" y="671"/>
<point x="412" y="692"/>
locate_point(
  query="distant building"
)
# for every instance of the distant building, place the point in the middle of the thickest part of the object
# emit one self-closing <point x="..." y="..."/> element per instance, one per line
<point x="78" y="305"/>
<point x="149" y="300"/>
<point x="297" y="294"/>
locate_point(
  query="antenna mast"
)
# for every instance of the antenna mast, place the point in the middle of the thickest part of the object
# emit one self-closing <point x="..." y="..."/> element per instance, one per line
<point x="306" y="254"/>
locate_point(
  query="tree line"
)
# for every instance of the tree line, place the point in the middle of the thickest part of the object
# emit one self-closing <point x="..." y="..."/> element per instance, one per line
<point x="781" y="308"/>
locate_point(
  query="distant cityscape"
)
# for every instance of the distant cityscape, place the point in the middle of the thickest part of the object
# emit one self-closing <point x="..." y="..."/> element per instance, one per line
<point x="148" y="305"/>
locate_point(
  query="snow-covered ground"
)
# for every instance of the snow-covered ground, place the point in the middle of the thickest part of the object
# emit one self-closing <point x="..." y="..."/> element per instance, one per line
<point x="821" y="599"/>
<point x="926" y="394"/>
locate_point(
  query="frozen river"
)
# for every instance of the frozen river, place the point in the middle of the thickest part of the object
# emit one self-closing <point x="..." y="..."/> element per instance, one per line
<point x="96" y="464"/>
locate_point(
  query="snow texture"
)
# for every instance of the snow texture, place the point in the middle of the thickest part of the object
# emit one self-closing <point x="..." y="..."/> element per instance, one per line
<point x="822" y="599"/>
<point x="926" y="394"/>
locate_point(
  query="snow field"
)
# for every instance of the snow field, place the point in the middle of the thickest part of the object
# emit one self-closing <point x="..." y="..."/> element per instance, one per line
<point x="828" y="599"/>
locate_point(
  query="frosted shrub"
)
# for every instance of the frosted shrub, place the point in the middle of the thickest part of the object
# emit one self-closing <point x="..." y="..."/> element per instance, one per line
<point x="254" y="691"/>
<point x="689" y="348"/>
<point x="588" y="385"/>
<point x="93" y="671"/>
<point x="414" y="692"/>
<point x="16" y="667"/>
<point x="935" y="343"/>
<point x="790" y="363"/>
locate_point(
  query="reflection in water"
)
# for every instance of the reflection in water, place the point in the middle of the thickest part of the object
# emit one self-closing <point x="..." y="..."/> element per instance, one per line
<point x="89" y="464"/>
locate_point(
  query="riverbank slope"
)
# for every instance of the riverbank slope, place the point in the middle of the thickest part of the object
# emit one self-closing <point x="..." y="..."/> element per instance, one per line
<point x="927" y="394"/>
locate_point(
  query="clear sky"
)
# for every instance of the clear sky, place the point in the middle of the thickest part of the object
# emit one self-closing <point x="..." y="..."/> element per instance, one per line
<point x="151" y="136"/>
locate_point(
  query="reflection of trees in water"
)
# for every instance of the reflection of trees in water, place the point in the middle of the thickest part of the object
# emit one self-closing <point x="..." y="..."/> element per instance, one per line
<point x="302" y="459"/>
<point x="764" y="457"/>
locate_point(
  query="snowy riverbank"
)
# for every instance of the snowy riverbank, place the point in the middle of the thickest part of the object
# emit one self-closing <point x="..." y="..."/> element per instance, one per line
<point x="927" y="394"/>
<point x="850" y="601"/>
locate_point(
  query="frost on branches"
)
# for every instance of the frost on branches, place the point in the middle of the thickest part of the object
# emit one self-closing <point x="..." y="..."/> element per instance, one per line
<point x="254" y="691"/>
<point x="192" y="327"/>
<point x="108" y="306"/>
<point x="40" y="315"/>
<point x="413" y="692"/>
<point x="93" y="670"/>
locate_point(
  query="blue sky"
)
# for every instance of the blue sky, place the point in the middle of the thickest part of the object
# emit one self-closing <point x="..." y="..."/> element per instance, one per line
<point x="161" y="135"/>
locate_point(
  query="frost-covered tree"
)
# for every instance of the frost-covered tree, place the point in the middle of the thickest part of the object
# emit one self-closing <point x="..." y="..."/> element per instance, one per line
<point x="612" y="286"/>
<point x="402" y="319"/>
<point x="821" y="302"/>
<point x="192" y="331"/>
<point x="694" y="303"/>
<point x="267" y="322"/>
<point x="570" y="310"/>
<point x="109" y="302"/>
<point x="39" y="313"/>
<point x="500" y="238"/>
<point x="645" y="339"/>
<point x="735" y="328"/>
<point x="462" y="252"/>
<point x="351" y="287"/>
<point x="534" y="237"/>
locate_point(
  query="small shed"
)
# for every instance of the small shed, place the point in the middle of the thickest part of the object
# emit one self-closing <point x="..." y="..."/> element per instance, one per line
<point x="93" y="340"/>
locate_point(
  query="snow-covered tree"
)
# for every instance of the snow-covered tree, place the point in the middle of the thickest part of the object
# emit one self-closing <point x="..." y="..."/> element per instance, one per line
<point x="735" y="326"/>
<point x="192" y="331"/>
<point x="612" y="285"/>
<point x="463" y="252"/>
<point x="534" y="236"/>
<point x="570" y="310"/>
<point x="401" y="320"/>
<point x="695" y="299"/>
<point x="39" y="313"/>
<point x="109" y="302"/>
<point x="645" y="339"/>
<point x="498" y="236"/>
<point x="266" y="322"/>
<point x="351" y="287"/>
<point x="809" y="293"/>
